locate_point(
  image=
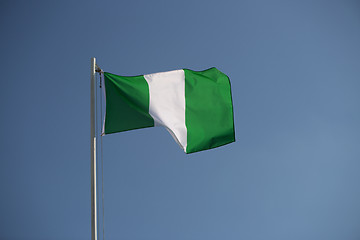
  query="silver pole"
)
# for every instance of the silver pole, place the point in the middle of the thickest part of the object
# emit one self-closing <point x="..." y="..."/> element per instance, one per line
<point x="93" y="151"/>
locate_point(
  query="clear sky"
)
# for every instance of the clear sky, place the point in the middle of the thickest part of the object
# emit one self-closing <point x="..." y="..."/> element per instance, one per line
<point x="292" y="174"/>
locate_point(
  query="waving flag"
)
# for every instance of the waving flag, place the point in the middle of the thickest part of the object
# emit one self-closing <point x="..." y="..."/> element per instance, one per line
<point x="194" y="106"/>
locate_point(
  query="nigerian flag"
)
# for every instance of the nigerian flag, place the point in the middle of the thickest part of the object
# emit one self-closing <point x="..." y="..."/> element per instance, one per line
<point x="194" y="106"/>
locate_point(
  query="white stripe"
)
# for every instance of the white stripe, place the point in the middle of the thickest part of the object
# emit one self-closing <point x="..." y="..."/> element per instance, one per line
<point x="167" y="103"/>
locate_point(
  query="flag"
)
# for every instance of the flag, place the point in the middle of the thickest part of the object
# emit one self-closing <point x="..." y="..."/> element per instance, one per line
<point x="194" y="106"/>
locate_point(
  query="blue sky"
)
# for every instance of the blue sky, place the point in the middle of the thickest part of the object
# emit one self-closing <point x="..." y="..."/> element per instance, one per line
<point x="291" y="174"/>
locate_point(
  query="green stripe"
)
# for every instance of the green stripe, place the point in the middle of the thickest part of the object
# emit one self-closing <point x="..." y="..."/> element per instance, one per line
<point x="127" y="103"/>
<point x="209" y="112"/>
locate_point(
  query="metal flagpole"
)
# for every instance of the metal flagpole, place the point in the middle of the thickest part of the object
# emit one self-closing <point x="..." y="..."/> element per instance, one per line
<point x="93" y="151"/>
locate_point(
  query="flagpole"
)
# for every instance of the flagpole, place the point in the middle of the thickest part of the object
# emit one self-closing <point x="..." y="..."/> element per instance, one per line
<point x="93" y="151"/>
